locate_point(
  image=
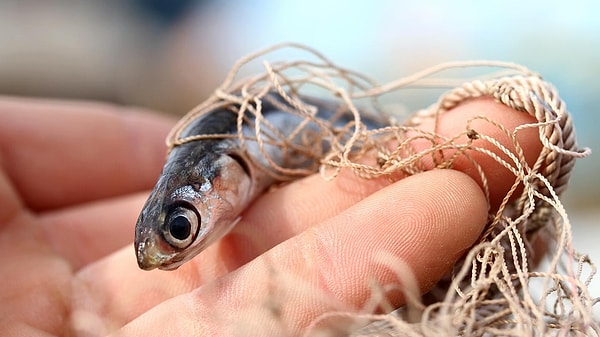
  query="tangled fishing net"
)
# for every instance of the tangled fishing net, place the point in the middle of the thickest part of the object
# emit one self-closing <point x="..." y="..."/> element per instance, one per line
<point x="494" y="290"/>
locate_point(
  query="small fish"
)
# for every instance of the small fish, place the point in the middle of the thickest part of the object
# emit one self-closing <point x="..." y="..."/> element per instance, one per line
<point x="207" y="183"/>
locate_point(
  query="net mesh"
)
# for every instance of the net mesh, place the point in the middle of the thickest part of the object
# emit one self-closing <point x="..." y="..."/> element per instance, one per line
<point x="495" y="289"/>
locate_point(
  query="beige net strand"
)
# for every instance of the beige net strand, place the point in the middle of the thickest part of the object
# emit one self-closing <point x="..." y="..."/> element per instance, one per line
<point x="493" y="290"/>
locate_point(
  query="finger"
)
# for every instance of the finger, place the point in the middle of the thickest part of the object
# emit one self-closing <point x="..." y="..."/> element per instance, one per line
<point x="87" y="232"/>
<point x="58" y="153"/>
<point x="287" y="211"/>
<point x="118" y="273"/>
<point x="454" y="122"/>
<point x="427" y="221"/>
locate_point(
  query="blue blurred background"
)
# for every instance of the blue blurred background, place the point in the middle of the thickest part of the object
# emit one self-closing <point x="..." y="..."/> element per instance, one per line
<point x="169" y="55"/>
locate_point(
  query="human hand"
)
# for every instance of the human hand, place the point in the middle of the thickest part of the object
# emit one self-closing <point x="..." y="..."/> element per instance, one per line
<point x="75" y="175"/>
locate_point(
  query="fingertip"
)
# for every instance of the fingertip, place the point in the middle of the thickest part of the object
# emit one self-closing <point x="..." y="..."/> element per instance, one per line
<point x="484" y="116"/>
<point x="427" y="221"/>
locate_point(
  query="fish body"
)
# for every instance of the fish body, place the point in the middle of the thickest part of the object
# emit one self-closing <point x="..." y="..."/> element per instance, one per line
<point x="207" y="183"/>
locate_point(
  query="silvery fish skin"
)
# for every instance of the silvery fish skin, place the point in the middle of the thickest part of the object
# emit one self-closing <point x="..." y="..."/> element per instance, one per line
<point x="206" y="184"/>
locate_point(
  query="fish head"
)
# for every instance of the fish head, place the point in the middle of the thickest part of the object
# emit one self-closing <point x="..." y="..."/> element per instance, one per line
<point x="196" y="201"/>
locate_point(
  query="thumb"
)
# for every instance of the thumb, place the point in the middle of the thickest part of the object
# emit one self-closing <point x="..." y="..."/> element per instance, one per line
<point x="427" y="221"/>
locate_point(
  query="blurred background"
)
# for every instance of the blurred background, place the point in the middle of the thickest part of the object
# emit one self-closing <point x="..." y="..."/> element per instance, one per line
<point x="169" y="55"/>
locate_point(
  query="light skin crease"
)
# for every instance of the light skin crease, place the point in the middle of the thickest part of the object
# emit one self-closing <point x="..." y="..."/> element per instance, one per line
<point x="74" y="176"/>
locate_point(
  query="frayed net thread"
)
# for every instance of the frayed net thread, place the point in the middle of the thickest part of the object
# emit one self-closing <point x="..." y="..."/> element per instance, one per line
<point x="492" y="291"/>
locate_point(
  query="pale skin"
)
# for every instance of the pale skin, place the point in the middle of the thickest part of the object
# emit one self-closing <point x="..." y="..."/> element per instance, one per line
<point x="74" y="176"/>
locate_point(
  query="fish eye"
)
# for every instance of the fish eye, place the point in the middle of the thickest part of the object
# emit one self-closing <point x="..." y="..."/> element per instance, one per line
<point x="181" y="226"/>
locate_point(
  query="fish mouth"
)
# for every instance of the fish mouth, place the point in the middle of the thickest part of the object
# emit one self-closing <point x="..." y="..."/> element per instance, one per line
<point x="151" y="256"/>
